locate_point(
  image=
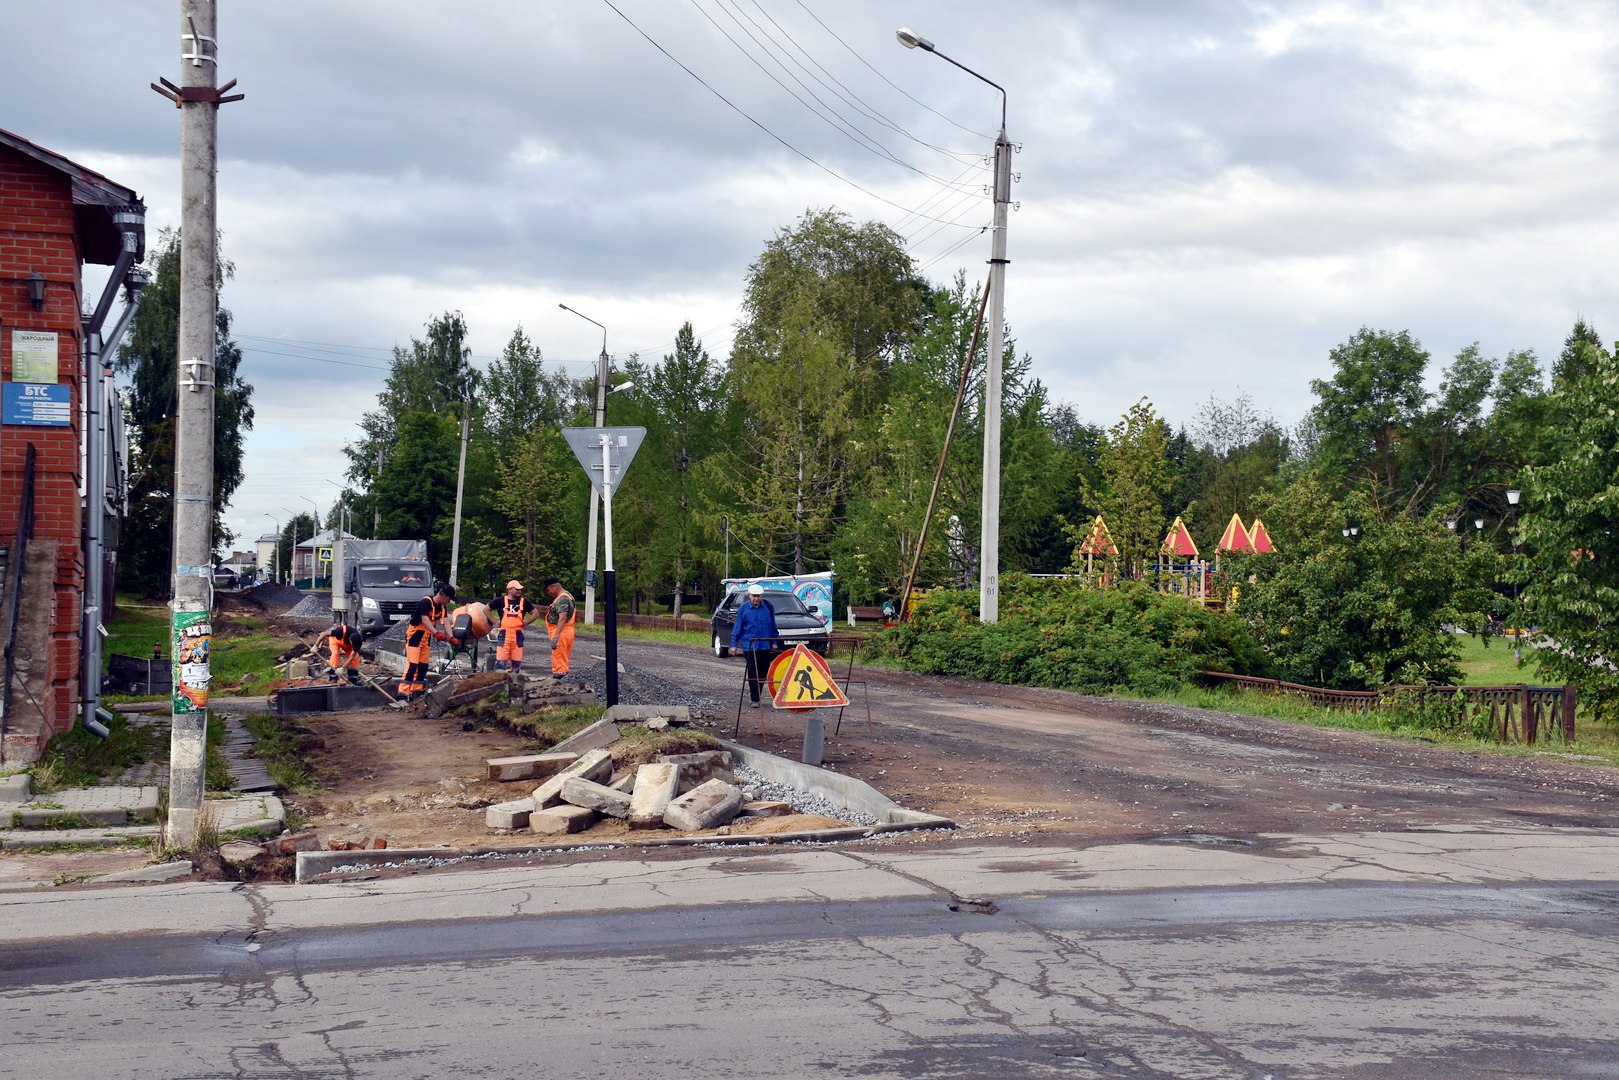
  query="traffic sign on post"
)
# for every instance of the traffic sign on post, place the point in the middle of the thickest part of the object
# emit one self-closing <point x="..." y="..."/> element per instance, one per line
<point x="622" y="443"/>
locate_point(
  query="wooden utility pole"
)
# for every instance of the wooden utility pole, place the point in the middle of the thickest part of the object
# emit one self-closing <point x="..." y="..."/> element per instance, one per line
<point x="198" y="99"/>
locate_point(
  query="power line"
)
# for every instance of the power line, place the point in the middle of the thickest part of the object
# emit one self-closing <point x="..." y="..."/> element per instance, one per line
<point x="886" y="79"/>
<point x="742" y="113"/>
<point x="852" y="98"/>
<point x="848" y="129"/>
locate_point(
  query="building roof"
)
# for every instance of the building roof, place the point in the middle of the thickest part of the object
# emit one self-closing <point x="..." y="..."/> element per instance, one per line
<point x="324" y="537"/>
<point x="95" y="198"/>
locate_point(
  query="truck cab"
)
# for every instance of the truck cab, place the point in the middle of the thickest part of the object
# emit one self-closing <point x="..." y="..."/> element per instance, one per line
<point x="385" y="591"/>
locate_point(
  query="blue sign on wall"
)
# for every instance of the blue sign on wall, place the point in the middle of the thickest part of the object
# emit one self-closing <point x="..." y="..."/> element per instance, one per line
<point x="37" y="404"/>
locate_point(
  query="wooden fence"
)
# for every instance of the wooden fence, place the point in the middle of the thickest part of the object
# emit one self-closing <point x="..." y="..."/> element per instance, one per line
<point x="1526" y="714"/>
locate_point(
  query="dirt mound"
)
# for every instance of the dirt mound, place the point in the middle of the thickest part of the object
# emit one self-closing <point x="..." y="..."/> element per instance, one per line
<point x="274" y="599"/>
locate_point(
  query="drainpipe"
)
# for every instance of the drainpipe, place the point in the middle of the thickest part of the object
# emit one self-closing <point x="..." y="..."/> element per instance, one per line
<point x="131" y="221"/>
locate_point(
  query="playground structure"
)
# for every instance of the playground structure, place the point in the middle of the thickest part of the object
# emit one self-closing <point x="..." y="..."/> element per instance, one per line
<point x="1181" y="569"/>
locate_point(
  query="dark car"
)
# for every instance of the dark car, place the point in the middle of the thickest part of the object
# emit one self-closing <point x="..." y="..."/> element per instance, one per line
<point x="794" y="622"/>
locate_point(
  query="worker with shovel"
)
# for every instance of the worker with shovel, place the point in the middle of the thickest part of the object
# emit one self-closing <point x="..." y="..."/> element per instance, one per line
<point x="426" y="626"/>
<point x="345" y="652"/>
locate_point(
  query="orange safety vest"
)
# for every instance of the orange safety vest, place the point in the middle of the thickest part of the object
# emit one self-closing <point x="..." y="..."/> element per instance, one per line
<point x="511" y="613"/>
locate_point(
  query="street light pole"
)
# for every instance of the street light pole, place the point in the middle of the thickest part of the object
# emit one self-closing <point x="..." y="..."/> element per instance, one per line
<point x="989" y="556"/>
<point x="292" y="552"/>
<point x="601" y="421"/>
<point x="1513" y="495"/>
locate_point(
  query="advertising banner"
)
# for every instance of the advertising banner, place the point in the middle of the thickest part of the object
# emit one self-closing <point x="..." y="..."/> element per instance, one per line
<point x="34" y="356"/>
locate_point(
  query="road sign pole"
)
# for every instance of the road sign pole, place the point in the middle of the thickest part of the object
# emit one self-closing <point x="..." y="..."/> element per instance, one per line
<point x="609" y="582"/>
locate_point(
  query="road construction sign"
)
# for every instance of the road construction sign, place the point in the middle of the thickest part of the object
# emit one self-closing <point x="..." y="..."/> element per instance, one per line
<point x="800" y="679"/>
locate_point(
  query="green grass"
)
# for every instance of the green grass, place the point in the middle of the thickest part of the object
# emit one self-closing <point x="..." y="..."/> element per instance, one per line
<point x="77" y="758"/>
<point x="281" y="750"/>
<point x="547" y="727"/>
<point x="135" y="627"/>
<point x="216" y="775"/>
<point x="1490" y="663"/>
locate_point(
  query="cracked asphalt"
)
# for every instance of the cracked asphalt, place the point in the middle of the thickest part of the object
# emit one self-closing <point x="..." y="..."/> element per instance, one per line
<point x="1142" y="893"/>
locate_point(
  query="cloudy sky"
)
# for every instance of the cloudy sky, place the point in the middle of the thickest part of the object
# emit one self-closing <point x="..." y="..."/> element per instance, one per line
<point x="1212" y="194"/>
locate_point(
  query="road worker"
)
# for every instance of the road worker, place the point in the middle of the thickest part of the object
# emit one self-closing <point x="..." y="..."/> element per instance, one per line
<point x="559" y="626"/>
<point x="345" y="652"/>
<point x="515" y="613"/>
<point x="427" y="624"/>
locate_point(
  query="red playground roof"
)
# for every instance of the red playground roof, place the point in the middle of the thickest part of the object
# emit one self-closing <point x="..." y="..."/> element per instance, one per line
<point x="1235" y="537"/>
<point x="1100" y="541"/>
<point x="1260" y="537"/>
<point x="1179" y="541"/>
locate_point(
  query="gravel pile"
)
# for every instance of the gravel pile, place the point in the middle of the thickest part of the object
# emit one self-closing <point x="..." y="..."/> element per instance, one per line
<point x="274" y="598"/>
<point x="313" y="607"/>
<point x="802" y="802"/>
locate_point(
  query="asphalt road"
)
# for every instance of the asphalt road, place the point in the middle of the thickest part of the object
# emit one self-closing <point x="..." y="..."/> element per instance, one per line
<point x="1384" y="956"/>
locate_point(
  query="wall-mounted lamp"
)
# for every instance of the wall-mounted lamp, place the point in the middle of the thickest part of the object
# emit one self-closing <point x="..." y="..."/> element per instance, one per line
<point x="36" y="290"/>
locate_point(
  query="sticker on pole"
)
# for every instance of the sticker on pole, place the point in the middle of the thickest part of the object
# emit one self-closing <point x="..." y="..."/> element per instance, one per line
<point x="621" y="443"/>
<point x="192" y="638"/>
<point x="801" y="680"/>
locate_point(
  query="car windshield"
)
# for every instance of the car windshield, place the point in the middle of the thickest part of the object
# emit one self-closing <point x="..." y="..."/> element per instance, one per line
<point x="384" y="577"/>
<point x="784" y="603"/>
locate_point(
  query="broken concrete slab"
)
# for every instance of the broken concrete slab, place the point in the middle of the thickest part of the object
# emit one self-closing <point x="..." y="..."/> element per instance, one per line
<point x="237" y="852"/>
<point x="677" y="715"/>
<point x="528" y="766"/>
<point x="561" y="820"/>
<point x="594" y="796"/>
<point x="701" y="767"/>
<point x="656" y="786"/>
<point x="592" y="765"/>
<point x="711" y="803"/>
<point x="509" y="815"/>
<point x="603" y="733"/>
<point x="161" y="872"/>
<point x="15" y="788"/>
<point x="766" y="808"/>
<point x="623" y="781"/>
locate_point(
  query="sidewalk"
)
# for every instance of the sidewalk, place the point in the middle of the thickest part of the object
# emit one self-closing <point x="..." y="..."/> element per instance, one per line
<point x="121" y="810"/>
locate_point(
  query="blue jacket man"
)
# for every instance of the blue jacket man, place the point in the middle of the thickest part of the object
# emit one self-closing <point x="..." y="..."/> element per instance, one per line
<point x="755" y="633"/>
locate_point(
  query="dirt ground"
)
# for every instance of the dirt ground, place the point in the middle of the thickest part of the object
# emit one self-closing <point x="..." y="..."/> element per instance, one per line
<point x="418" y="782"/>
<point x="997" y="760"/>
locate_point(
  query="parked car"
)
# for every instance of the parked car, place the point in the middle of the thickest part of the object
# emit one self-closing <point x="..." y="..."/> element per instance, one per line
<point x="794" y="622"/>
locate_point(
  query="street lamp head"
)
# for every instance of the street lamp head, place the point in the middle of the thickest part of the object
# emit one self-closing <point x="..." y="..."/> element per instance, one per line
<point x="1513" y="495"/>
<point x="1478" y="523"/>
<point x="912" y="40"/>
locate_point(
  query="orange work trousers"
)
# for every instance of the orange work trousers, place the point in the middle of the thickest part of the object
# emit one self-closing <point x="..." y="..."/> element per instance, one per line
<point x="562" y="648"/>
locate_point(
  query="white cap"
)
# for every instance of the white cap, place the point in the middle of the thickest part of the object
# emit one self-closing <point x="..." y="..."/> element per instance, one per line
<point x="756" y="589"/>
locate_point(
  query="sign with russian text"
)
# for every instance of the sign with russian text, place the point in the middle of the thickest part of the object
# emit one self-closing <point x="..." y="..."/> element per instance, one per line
<point x="34" y="356"/>
<point x="37" y="404"/>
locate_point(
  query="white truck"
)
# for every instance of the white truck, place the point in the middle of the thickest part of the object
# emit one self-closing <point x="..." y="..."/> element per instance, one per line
<point x="383" y="581"/>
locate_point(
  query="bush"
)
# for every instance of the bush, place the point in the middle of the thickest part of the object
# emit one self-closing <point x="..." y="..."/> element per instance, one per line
<point x="1062" y="634"/>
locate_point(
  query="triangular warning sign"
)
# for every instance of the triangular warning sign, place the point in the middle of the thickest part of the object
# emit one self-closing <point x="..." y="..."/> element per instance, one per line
<point x="803" y="681"/>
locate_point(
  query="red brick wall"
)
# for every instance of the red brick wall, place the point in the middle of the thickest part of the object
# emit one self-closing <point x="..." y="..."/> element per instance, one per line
<point x="37" y="234"/>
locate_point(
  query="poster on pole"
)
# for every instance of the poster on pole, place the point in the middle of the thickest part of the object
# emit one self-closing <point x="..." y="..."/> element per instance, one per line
<point x="192" y="645"/>
<point x="34" y="357"/>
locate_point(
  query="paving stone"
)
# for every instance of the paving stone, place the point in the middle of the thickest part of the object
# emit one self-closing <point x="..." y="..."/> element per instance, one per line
<point x="656" y="786"/>
<point x="15" y="788"/>
<point x="528" y="766"/>
<point x="560" y="820"/>
<point x="287" y="845"/>
<point x="766" y="808"/>
<point x="598" y="797"/>
<point x="701" y="767"/>
<point x="711" y="803"/>
<point x="592" y="765"/>
<point x="509" y="815"/>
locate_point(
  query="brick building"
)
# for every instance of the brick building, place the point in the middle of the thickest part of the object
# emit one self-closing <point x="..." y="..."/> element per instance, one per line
<point x="55" y="217"/>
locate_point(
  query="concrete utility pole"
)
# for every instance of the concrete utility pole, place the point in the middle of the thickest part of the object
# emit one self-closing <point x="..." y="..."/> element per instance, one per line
<point x="190" y="637"/>
<point x="989" y="554"/>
